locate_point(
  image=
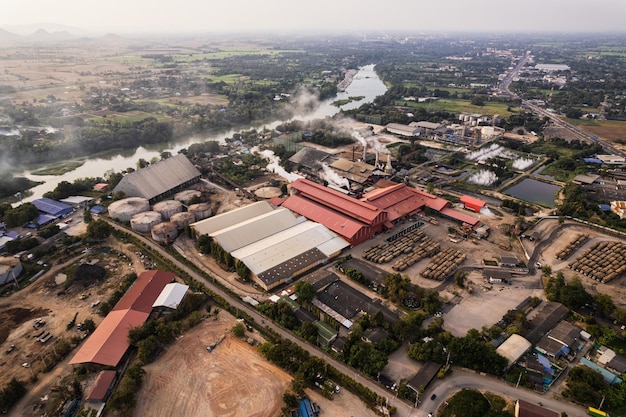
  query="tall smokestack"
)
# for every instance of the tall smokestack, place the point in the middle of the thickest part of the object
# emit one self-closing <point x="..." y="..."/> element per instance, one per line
<point x="376" y="163"/>
<point x="388" y="167"/>
<point x="364" y="150"/>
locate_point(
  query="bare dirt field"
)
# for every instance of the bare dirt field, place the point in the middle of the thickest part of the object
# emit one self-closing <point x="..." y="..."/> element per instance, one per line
<point x="232" y="380"/>
<point x="42" y="300"/>
<point x="343" y="404"/>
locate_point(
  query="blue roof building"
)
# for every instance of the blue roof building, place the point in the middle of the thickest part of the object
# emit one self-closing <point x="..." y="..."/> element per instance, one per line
<point x="52" y="207"/>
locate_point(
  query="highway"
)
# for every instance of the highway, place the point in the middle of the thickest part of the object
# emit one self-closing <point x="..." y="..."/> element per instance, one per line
<point x="583" y="135"/>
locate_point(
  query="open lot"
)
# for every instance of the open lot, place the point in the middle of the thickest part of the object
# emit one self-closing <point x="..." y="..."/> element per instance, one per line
<point x="42" y="300"/>
<point x="232" y="380"/>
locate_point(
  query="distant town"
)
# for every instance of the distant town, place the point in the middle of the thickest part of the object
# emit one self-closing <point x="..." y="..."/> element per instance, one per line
<point x="399" y="225"/>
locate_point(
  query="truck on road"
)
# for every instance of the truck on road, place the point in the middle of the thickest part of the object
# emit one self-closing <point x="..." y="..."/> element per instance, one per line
<point x="596" y="413"/>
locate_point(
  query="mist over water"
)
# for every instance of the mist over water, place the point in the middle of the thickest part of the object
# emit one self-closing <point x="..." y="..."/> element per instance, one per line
<point x="483" y="177"/>
<point x="523" y="163"/>
<point x="365" y="83"/>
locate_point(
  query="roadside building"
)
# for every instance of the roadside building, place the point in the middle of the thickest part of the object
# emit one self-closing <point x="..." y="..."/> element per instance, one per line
<point x="101" y="390"/>
<point x="171" y="296"/>
<point x="526" y="409"/>
<point x="77" y="201"/>
<point x="514" y="348"/>
<point x="108" y="344"/>
<point x="51" y="207"/>
<point x="424" y="377"/>
<point x="560" y="341"/>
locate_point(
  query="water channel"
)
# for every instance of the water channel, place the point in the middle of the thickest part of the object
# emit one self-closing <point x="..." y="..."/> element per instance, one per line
<point x="365" y="83"/>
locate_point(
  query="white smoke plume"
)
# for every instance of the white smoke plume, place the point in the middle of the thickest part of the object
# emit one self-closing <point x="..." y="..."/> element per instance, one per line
<point x="491" y="151"/>
<point x="523" y="163"/>
<point x="303" y="102"/>
<point x="333" y="178"/>
<point x="485" y="210"/>
<point x="274" y="165"/>
<point x="483" y="177"/>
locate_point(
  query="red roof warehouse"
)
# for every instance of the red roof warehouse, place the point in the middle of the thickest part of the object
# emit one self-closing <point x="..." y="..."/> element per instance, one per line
<point x="354" y="220"/>
<point x="472" y="203"/>
<point x="109" y="342"/>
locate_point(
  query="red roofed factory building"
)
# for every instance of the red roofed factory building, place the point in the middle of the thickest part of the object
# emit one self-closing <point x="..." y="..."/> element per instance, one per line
<point x="108" y="344"/>
<point x="354" y="220"/>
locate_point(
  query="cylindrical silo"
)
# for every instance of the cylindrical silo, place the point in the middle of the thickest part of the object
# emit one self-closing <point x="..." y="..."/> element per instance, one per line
<point x="201" y="211"/>
<point x="185" y="196"/>
<point x="182" y="219"/>
<point x="123" y="210"/>
<point x="164" y="233"/>
<point x="144" y="222"/>
<point x="168" y="208"/>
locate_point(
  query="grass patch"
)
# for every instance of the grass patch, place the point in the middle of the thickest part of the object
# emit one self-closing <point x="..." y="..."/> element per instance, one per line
<point x="228" y="78"/>
<point x="58" y="169"/>
<point x="460" y="106"/>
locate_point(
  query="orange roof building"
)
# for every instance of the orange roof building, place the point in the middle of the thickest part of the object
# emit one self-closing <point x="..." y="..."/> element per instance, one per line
<point x="108" y="344"/>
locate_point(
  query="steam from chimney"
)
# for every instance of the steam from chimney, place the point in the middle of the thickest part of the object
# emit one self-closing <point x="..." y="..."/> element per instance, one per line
<point x="331" y="177"/>
<point x="274" y="165"/>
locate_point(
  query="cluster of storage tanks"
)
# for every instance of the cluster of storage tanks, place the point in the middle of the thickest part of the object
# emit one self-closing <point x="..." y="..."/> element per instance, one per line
<point x="164" y="220"/>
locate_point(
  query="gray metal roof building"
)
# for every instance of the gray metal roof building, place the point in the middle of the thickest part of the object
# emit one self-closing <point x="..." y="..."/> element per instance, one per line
<point x="231" y="218"/>
<point x="156" y="181"/>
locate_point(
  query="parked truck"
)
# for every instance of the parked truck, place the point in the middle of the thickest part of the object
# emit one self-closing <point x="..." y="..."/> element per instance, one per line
<point x="596" y="413"/>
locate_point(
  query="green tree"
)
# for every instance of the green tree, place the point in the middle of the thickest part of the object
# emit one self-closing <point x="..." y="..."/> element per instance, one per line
<point x="99" y="229"/>
<point x="239" y="330"/>
<point x="604" y="304"/>
<point x="87" y="216"/>
<point x="305" y="291"/>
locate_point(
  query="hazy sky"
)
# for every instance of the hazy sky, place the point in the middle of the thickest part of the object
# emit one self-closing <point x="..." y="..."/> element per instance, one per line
<point x="287" y="15"/>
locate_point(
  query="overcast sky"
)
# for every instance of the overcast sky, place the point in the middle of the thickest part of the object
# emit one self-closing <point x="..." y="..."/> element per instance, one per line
<point x="286" y="15"/>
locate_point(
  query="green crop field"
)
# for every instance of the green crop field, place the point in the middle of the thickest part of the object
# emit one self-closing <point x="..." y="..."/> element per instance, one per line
<point x="460" y="106"/>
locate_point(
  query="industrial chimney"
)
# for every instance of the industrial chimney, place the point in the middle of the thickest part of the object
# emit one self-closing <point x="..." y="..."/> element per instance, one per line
<point x="388" y="167"/>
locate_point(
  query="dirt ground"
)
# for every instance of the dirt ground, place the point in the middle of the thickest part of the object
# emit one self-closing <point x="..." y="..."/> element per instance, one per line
<point x="232" y="380"/>
<point x="41" y="300"/>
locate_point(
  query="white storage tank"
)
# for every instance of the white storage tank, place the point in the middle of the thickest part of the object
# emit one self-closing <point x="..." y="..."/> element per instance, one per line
<point x="185" y="196"/>
<point x="164" y="233"/>
<point x="144" y="222"/>
<point x="168" y="208"/>
<point x="183" y="219"/>
<point x="123" y="210"/>
<point x="201" y="211"/>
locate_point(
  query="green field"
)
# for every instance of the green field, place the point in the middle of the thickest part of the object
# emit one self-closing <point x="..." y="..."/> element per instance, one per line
<point x="229" y="53"/>
<point x="129" y="117"/>
<point x="460" y="106"/>
<point x="59" y="169"/>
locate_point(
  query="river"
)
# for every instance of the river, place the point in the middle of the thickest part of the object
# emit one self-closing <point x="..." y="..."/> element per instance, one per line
<point x="365" y="83"/>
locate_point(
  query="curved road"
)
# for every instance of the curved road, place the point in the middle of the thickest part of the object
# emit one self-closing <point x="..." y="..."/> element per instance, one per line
<point x="465" y="379"/>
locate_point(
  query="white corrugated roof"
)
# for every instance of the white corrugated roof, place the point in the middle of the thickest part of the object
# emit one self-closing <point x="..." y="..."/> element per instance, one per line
<point x="254" y="229"/>
<point x="332" y="246"/>
<point x="280" y="247"/>
<point x="230" y="218"/>
<point x="513" y="348"/>
<point x="76" y="199"/>
<point x="171" y="296"/>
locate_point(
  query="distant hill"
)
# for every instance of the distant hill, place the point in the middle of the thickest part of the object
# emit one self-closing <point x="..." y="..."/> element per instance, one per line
<point x="6" y="35"/>
<point x="27" y="30"/>
<point x="43" y="35"/>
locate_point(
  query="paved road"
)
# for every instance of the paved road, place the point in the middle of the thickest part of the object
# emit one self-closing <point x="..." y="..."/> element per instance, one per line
<point x="465" y="379"/>
<point x="585" y="136"/>
<point x="404" y="409"/>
